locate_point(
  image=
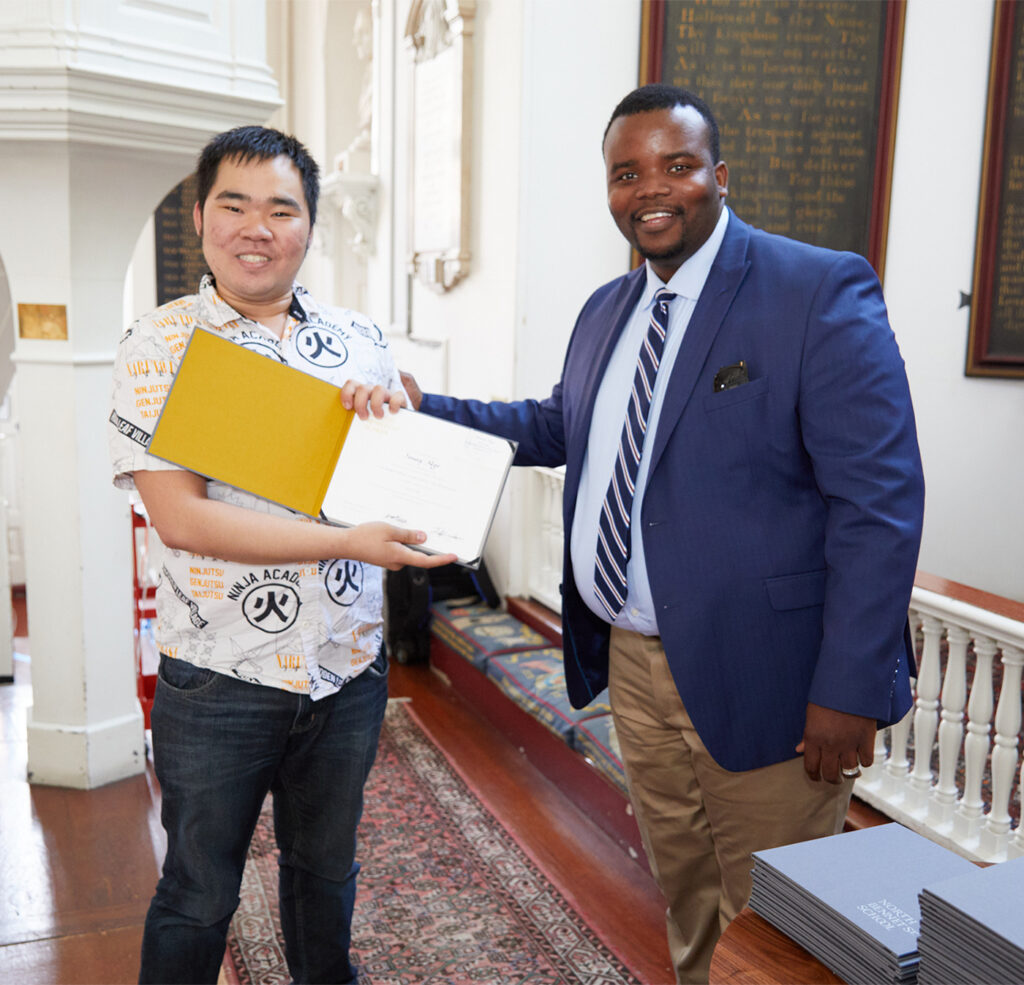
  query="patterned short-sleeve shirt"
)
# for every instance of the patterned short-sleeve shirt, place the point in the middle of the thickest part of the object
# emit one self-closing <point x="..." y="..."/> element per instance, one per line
<point x="308" y="628"/>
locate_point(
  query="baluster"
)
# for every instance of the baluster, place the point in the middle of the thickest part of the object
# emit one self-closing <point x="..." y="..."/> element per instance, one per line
<point x="1016" y="846"/>
<point x="552" y="538"/>
<point x="951" y="727"/>
<point x="557" y="490"/>
<point x="873" y="776"/>
<point x="926" y="716"/>
<point x="996" y="833"/>
<point x="142" y="554"/>
<point x="969" y="813"/>
<point x="557" y="485"/>
<point x="534" y="534"/>
<point x="897" y="766"/>
<point x="547" y="531"/>
<point x="538" y="535"/>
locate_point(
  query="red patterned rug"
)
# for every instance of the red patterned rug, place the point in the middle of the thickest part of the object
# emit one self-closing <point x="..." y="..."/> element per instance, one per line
<point x="446" y="895"/>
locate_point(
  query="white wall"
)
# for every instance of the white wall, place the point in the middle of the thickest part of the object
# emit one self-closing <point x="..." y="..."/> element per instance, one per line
<point x="568" y="244"/>
<point x="969" y="428"/>
<point x="546" y="81"/>
<point x="478" y="315"/>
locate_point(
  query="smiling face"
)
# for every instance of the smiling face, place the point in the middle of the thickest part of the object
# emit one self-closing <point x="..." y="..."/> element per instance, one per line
<point x="664" y="190"/>
<point x="255" y="229"/>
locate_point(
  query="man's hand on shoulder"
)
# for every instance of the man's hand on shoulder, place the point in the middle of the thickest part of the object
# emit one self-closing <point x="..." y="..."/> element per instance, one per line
<point x="835" y="741"/>
<point x="366" y="400"/>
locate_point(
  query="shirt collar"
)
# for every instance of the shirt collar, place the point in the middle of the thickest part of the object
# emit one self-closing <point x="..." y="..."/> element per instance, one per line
<point x="688" y="280"/>
<point x="220" y="313"/>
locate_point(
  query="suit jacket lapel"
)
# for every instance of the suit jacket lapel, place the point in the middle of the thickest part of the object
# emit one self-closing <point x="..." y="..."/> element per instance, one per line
<point x="723" y="282"/>
<point x="603" y="331"/>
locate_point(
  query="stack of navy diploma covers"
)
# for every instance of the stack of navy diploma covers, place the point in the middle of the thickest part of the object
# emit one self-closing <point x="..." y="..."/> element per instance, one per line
<point x="972" y="927"/>
<point x="852" y="900"/>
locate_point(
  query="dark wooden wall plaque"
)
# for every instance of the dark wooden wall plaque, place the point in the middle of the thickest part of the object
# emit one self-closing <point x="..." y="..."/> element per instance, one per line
<point x="179" y="256"/>
<point x="805" y="97"/>
<point x="996" y="340"/>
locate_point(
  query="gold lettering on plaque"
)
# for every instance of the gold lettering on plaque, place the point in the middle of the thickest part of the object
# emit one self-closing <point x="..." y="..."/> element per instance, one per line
<point x="795" y="88"/>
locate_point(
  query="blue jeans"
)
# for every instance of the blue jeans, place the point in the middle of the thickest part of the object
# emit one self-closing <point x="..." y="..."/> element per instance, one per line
<point x="219" y="746"/>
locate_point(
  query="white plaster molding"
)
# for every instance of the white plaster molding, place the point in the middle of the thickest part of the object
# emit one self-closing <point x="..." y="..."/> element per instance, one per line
<point x="356" y="197"/>
<point x="23" y="357"/>
<point x="64" y="104"/>
<point x="211" y="46"/>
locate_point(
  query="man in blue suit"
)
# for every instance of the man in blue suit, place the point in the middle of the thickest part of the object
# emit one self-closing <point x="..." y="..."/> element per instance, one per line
<point x="764" y="479"/>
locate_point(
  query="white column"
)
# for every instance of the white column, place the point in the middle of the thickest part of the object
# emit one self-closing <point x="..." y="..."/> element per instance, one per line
<point x="85" y="725"/>
<point x="304" y="82"/>
<point x="308" y="97"/>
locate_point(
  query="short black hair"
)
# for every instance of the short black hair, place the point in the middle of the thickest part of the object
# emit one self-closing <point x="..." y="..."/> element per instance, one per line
<point x="246" y="144"/>
<point x="657" y="95"/>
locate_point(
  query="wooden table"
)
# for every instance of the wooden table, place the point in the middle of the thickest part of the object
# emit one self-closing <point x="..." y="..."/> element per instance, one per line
<point x="753" y="952"/>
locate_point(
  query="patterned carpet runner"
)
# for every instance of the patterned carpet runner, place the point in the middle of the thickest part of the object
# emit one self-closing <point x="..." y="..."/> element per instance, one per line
<point x="445" y="894"/>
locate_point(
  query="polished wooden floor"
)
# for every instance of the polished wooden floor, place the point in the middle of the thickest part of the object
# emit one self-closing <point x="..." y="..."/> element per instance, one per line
<point x="77" y="868"/>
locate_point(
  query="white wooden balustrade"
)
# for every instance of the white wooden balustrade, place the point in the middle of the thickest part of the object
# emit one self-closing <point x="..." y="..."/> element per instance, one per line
<point x="543" y="535"/>
<point x="951" y="769"/>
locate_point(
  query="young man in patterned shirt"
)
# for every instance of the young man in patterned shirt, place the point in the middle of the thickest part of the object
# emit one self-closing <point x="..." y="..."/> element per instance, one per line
<point x="272" y="674"/>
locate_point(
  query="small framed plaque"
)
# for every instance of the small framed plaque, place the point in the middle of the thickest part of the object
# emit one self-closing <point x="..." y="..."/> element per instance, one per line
<point x="995" y="345"/>
<point x="43" y="321"/>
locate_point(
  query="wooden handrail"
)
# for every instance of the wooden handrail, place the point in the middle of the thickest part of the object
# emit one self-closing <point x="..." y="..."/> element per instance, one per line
<point x="1008" y="608"/>
<point x="547" y="622"/>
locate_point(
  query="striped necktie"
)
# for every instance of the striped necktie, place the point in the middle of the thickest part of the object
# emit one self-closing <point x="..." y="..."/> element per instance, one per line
<point x="613" y="541"/>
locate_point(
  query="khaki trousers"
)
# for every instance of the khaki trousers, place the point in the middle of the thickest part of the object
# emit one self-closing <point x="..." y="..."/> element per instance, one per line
<point x="699" y="822"/>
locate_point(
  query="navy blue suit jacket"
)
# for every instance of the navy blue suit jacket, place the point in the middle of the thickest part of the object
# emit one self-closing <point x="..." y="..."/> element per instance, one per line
<point x="782" y="518"/>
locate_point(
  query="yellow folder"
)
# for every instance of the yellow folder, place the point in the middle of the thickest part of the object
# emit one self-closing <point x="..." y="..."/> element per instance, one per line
<point x="252" y="422"/>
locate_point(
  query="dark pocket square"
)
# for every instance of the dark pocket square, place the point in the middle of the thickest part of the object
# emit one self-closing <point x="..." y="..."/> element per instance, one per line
<point x="729" y="377"/>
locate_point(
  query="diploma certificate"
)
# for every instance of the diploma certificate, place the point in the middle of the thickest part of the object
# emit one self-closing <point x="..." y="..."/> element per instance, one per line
<point x="421" y="472"/>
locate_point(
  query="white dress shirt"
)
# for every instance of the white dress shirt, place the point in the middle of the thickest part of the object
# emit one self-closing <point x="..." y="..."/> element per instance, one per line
<point x="606" y="429"/>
